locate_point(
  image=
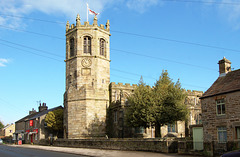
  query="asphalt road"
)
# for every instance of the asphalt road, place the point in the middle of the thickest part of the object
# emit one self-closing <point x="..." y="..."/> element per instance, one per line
<point x="6" y="151"/>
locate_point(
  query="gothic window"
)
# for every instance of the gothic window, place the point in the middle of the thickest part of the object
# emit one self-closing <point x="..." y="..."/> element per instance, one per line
<point x="102" y="47"/>
<point x="87" y="45"/>
<point x="71" y="47"/>
<point x="220" y="107"/>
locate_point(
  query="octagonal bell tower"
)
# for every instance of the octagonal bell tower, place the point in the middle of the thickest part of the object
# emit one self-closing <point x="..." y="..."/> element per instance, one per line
<point x="87" y="79"/>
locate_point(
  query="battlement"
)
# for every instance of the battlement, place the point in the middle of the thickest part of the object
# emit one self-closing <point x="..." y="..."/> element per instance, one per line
<point x="194" y="92"/>
<point x="87" y="25"/>
<point x="121" y="85"/>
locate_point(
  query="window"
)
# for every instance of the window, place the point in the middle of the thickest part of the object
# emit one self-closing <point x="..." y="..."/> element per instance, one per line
<point x="220" y="107"/>
<point x="171" y="127"/>
<point x="238" y="133"/>
<point x="115" y="117"/>
<point x="222" y="134"/>
<point x="71" y="47"/>
<point x="87" y="45"/>
<point x="139" y="130"/>
<point x="102" y="47"/>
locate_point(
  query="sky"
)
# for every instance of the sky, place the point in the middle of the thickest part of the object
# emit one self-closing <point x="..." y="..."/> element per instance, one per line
<point x="186" y="38"/>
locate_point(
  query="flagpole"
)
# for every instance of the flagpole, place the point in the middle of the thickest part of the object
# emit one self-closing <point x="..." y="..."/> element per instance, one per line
<point x="87" y="12"/>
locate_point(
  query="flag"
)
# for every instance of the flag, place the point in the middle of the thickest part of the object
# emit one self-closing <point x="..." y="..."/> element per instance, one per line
<point x="92" y="12"/>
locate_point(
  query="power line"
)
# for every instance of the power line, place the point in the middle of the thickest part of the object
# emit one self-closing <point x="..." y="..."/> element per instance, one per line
<point x="46" y="35"/>
<point x="30" y="52"/>
<point x="46" y="52"/>
<point x="207" y="2"/>
<point x="133" y="34"/>
<point x="167" y="60"/>
<point x="177" y="41"/>
<point x="30" y="18"/>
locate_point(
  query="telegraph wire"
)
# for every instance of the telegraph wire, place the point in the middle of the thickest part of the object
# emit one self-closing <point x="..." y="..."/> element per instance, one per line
<point x="127" y="33"/>
<point x="46" y="35"/>
<point x="30" y="52"/>
<point x="167" y="60"/>
<point x="177" y="41"/>
<point x="30" y="18"/>
<point x="207" y="2"/>
<point x="46" y="52"/>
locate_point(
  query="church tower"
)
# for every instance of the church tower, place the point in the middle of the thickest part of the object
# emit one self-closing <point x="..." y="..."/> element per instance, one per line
<point x="87" y="79"/>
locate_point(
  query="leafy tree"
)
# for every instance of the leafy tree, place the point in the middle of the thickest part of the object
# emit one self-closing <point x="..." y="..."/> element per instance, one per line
<point x="156" y="106"/>
<point x="138" y="113"/>
<point x="54" y="120"/>
<point x="169" y="104"/>
<point x="1" y="125"/>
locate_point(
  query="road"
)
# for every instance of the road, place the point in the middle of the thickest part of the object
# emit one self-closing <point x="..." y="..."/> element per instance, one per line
<point x="7" y="151"/>
<point x="51" y="151"/>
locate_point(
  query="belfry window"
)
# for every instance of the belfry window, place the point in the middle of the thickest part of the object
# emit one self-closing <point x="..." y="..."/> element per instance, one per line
<point x="71" y="47"/>
<point x="87" y="45"/>
<point x="102" y="47"/>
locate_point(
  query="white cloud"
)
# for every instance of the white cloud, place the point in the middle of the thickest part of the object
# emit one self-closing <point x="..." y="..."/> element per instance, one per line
<point x="3" y="62"/>
<point x="229" y="10"/>
<point x="141" y="5"/>
<point x="67" y="8"/>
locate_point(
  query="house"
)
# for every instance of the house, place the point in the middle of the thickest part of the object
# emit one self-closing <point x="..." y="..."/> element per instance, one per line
<point x="8" y="130"/>
<point x="32" y="128"/>
<point x="221" y="110"/>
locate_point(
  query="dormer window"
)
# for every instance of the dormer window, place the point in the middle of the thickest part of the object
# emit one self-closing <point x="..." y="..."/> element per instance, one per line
<point x="102" y="47"/>
<point x="87" y="45"/>
<point x="71" y="47"/>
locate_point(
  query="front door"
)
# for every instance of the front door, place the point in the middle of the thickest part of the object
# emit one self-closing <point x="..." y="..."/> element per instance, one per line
<point x="31" y="138"/>
<point x="198" y="138"/>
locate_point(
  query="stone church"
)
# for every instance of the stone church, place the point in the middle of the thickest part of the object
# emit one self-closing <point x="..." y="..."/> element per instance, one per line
<point x="89" y="92"/>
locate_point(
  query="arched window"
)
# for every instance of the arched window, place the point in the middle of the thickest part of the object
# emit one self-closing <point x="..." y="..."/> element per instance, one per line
<point x="102" y="47"/>
<point x="71" y="47"/>
<point x="87" y="44"/>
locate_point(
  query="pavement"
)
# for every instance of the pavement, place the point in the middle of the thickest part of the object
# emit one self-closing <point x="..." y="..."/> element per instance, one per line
<point x="100" y="152"/>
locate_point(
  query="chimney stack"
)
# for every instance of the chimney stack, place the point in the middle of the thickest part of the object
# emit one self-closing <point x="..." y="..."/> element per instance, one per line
<point x="42" y="107"/>
<point x="224" y="67"/>
<point x="33" y="111"/>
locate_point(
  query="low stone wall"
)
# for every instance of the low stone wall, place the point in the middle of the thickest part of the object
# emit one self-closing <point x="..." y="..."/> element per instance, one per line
<point x="154" y="145"/>
<point x="185" y="146"/>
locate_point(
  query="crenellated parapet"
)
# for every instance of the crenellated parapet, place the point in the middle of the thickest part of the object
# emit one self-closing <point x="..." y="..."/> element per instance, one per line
<point x="194" y="93"/>
<point x="95" y="26"/>
<point x="122" y="86"/>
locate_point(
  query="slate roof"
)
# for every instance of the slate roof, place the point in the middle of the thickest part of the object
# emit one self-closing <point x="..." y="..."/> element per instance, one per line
<point x="225" y="84"/>
<point x="37" y="114"/>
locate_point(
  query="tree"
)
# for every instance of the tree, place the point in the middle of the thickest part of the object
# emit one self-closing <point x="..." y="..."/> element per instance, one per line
<point x="163" y="104"/>
<point x="54" y="120"/>
<point x="1" y="125"/>
<point x="169" y="104"/>
<point x="138" y="113"/>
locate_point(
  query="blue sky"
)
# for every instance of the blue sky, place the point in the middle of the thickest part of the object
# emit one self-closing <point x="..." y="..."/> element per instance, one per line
<point x="187" y="38"/>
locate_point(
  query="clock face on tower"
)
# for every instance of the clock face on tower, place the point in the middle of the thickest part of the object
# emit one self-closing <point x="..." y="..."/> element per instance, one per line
<point x="86" y="62"/>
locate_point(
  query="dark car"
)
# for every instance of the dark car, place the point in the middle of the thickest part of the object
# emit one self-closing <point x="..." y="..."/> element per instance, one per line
<point x="232" y="154"/>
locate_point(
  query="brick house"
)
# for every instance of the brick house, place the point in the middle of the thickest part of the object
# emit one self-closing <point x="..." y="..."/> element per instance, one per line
<point x="220" y="110"/>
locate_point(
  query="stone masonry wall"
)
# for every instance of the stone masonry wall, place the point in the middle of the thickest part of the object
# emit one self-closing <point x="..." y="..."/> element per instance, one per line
<point x="211" y="121"/>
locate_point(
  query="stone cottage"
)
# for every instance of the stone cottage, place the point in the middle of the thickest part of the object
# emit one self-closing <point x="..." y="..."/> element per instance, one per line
<point x="221" y="110"/>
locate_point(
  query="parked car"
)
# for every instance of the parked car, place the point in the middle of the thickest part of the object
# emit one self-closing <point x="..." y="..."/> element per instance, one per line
<point x="232" y="154"/>
<point x="1" y="141"/>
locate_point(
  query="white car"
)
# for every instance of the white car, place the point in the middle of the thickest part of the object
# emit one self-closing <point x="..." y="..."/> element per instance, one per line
<point x="1" y="141"/>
